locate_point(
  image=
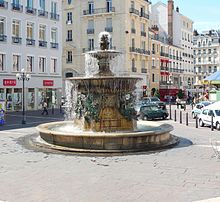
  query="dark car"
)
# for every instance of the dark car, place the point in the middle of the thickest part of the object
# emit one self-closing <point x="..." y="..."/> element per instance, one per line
<point x="154" y="100"/>
<point x="149" y="112"/>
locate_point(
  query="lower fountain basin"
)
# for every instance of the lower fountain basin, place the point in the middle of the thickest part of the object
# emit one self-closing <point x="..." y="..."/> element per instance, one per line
<point x="147" y="136"/>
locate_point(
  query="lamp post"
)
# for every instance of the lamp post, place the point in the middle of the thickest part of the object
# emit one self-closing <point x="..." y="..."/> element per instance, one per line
<point x="169" y="83"/>
<point x="23" y="76"/>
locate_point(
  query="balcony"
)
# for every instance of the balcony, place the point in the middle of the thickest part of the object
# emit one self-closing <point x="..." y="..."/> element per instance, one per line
<point x="30" y="10"/>
<point x="134" y="69"/>
<point x="69" y="39"/>
<point x="133" y="31"/>
<point x="42" y="13"/>
<point x="3" y="38"/>
<point x="143" y="70"/>
<point x="109" y="29"/>
<point x="84" y="50"/>
<point x="134" y="11"/>
<point x="69" y="22"/>
<point x="54" y="16"/>
<point x="68" y="60"/>
<point x="139" y="50"/>
<point x="42" y="43"/>
<point x="143" y="33"/>
<point x="176" y="70"/>
<point x="54" y="45"/>
<point x="144" y="15"/>
<point x="164" y="83"/>
<point x="16" y="7"/>
<point x="16" y="40"/>
<point x="153" y="52"/>
<point x="99" y="11"/>
<point x="164" y="54"/>
<point x="164" y="68"/>
<point x="4" y="4"/>
<point x="90" y="31"/>
<point x="30" y="42"/>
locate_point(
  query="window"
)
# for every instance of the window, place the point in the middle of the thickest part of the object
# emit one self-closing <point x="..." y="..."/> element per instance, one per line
<point x="133" y="43"/>
<point x="53" y="7"/>
<point x="42" y="5"/>
<point x="53" y="64"/>
<point x="69" y="1"/>
<point x="143" y="27"/>
<point x="30" y="4"/>
<point x="91" y="24"/>
<point x="108" y="5"/>
<point x="30" y="63"/>
<point x="143" y="45"/>
<point x="91" y="7"/>
<point x="143" y="64"/>
<point x="2" y="62"/>
<point x="69" y="74"/>
<point x="42" y="64"/>
<point x="30" y="30"/>
<point x="69" y="17"/>
<point x="2" y="26"/>
<point x="91" y="44"/>
<point x="132" y="4"/>
<point x="132" y="24"/>
<point x="16" y="28"/>
<point x="69" y="57"/>
<point x="153" y="78"/>
<point x="210" y="59"/>
<point x="109" y="22"/>
<point x="54" y="35"/>
<point x="42" y="33"/>
<point x="210" y="69"/>
<point x="16" y="62"/>
<point x="215" y="68"/>
<point x="69" y="35"/>
<point x="209" y="51"/>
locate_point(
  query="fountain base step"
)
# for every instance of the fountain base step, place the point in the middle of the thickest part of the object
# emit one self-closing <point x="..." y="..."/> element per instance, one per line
<point x="145" y="138"/>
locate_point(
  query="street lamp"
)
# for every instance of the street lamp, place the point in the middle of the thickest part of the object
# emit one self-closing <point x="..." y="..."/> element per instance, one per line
<point x="169" y="83"/>
<point x="23" y="76"/>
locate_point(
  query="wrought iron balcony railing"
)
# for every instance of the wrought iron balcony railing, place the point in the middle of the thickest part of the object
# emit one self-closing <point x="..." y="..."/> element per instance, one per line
<point x="30" y="10"/>
<point x="139" y="50"/>
<point x="54" y="45"/>
<point x="43" y="13"/>
<point x="144" y="15"/>
<point x="164" y="54"/>
<point x="143" y="70"/>
<point x="4" y="4"/>
<point x="90" y="31"/>
<point x="133" y="31"/>
<point x="134" y="11"/>
<point x="17" y="7"/>
<point x="109" y="29"/>
<point x="3" y="38"/>
<point x="42" y="43"/>
<point x="98" y="11"/>
<point x="54" y="16"/>
<point x="143" y="34"/>
<point x="133" y="69"/>
<point x="30" y="42"/>
<point x="16" y="40"/>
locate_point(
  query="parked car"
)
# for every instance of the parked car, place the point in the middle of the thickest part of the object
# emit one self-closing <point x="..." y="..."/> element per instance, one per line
<point x="199" y="107"/>
<point x="154" y="100"/>
<point x="205" y="117"/>
<point x="152" y="111"/>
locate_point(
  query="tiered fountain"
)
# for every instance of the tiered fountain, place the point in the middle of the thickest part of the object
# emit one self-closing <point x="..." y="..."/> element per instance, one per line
<point x="104" y="115"/>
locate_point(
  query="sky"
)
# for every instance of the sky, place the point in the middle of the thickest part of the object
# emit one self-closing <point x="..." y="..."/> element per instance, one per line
<point x="205" y="14"/>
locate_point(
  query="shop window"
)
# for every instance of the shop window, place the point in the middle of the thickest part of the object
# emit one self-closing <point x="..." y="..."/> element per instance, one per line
<point x="30" y="98"/>
<point x="17" y="97"/>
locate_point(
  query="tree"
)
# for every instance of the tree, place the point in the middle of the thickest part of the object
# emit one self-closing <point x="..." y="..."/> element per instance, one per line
<point x="180" y="94"/>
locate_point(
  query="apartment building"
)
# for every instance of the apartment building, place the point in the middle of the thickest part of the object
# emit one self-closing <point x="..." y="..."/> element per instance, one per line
<point x="206" y="53"/>
<point x="30" y="39"/>
<point x="177" y="30"/>
<point x="126" y="21"/>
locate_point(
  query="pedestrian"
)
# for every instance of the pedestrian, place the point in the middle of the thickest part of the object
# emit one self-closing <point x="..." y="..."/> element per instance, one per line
<point x="2" y="117"/>
<point x="44" y="108"/>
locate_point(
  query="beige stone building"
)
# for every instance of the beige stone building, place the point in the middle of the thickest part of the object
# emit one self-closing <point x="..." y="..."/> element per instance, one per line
<point x="126" y="21"/>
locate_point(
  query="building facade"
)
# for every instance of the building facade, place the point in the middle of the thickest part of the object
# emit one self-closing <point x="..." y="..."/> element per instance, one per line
<point x="30" y="39"/>
<point x="176" y="30"/>
<point x="126" y="21"/>
<point x="206" y="53"/>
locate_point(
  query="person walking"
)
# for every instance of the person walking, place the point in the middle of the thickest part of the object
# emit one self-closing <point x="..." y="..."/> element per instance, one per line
<point x="45" y="108"/>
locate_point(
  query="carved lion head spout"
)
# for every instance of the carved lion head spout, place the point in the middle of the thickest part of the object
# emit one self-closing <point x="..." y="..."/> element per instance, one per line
<point x="104" y="40"/>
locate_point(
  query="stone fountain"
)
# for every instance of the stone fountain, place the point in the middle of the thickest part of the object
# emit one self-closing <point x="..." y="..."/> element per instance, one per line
<point x="105" y="119"/>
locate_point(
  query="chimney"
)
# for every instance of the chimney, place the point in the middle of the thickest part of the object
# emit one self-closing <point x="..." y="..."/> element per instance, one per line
<point x="170" y="20"/>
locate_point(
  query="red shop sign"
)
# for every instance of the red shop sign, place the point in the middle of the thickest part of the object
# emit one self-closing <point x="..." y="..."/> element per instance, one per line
<point x="9" y="82"/>
<point x="48" y="82"/>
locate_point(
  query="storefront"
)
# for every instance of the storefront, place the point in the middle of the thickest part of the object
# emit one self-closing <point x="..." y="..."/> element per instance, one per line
<point x="37" y="91"/>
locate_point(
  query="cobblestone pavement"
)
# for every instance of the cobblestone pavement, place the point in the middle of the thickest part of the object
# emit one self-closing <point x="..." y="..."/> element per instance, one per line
<point x="188" y="172"/>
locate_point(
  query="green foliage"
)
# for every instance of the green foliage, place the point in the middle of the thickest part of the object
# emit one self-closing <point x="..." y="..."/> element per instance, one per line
<point x="157" y="93"/>
<point x="180" y="94"/>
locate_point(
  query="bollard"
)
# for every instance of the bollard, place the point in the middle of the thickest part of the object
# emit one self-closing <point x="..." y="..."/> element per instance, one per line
<point x="196" y="122"/>
<point x="212" y="127"/>
<point x="170" y="111"/>
<point x="187" y="119"/>
<point x="181" y="117"/>
<point x="175" y="115"/>
<point x="52" y="109"/>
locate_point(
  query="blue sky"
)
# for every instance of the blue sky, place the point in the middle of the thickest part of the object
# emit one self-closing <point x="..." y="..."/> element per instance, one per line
<point x="205" y="14"/>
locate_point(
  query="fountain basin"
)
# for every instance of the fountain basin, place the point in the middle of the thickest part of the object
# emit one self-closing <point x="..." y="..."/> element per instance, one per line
<point x="147" y="136"/>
